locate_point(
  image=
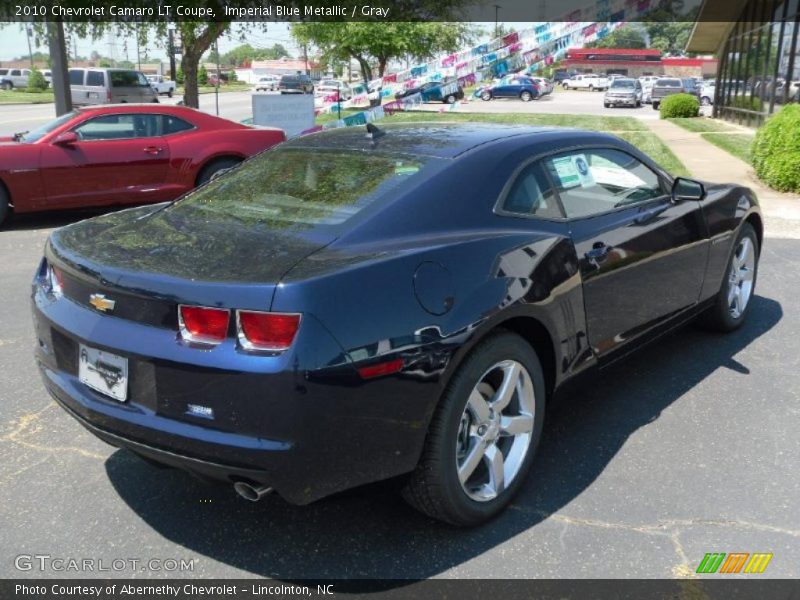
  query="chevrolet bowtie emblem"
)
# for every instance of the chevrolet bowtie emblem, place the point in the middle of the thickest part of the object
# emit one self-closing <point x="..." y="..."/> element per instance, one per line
<point x="101" y="303"/>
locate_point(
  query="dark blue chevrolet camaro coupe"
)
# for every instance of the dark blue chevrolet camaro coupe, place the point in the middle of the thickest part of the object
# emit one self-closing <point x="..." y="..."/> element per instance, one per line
<point x="350" y="307"/>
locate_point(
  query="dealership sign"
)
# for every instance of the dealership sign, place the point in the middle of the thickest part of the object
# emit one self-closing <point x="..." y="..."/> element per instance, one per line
<point x="291" y="112"/>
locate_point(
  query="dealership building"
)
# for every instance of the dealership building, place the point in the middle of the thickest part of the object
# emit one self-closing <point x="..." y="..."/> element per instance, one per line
<point x="756" y="42"/>
<point x="636" y="63"/>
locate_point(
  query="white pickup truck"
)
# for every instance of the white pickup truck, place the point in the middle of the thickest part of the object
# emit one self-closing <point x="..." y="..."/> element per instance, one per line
<point x="161" y="85"/>
<point x="587" y="81"/>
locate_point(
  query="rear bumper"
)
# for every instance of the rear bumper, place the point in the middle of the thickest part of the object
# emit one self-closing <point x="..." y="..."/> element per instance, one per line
<point x="290" y="422"/>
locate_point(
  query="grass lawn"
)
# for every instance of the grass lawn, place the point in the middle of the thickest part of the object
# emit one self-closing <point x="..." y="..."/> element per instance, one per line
<point x="17" y="97"/>
<point x="701" y="125"/>
<point x="737" y="144"/>
<point x="580" y="121"/>
<point x="650" y="144"/>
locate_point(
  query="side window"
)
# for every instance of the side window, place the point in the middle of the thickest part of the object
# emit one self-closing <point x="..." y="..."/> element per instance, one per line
<point x="15" y="72"/>
<point x="531" y="195"/>
<point x="595" y="181"/>
<point x="76" y="76"/>
<point x="95" y="78"/>
<point x="175" y="125"/>
<point x="119" y="127"/>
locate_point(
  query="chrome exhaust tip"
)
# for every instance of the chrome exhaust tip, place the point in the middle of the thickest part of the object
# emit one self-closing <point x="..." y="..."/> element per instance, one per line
<point x="251" y="492"/>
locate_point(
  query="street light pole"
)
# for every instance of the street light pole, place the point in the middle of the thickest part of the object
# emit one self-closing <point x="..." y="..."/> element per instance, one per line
<point x="216" y="88"/>
<point x="172" y="74"/>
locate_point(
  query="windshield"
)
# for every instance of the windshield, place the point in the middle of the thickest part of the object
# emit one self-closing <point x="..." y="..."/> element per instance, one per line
<point x="127" y="79"/>
<point x="40" y="132"/>
<point x="622" y="83"/>
<point x="292" y="188"/>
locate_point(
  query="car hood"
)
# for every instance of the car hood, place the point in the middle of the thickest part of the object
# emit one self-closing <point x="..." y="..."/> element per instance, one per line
<point x="153" y="249"/>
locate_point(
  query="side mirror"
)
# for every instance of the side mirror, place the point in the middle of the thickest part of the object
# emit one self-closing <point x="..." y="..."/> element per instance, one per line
<point x="66" y="139"/>
<point x="687" y="189"/>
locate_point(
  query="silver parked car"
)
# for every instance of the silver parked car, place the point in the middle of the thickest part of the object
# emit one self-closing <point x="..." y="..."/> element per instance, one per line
<point x="15" y="78"/>
<point x="109" y="86"/>
<point x="623" y="91"/>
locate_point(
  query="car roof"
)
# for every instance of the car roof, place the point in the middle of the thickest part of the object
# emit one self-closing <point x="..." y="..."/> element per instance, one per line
<point x="439" y="140"/>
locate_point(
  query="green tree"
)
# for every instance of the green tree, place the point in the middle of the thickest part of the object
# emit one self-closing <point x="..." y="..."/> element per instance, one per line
<point x="246" y="54"/>
<point x="232" y="77"/>
<point x="202" y="75"/>
<point x="669" y="29"/>
<point x="378" y="43"/>
<point x="179" y="78"/>
<point x="622" y="37"/>
<point x="36" y="81"/>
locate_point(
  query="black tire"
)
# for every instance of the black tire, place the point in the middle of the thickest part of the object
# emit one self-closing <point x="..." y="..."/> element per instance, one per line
<point x="434" y="487"/>
<point x="486" y="96"/>
<point x="591" y="87"/>
<point x="655" y="105"/>
<point x="7" y="85"/>
<point x="638" y="104"/>
<point x="169" y="93"/>
<point x="451" y="99"/>
<point x="525" y="96"/>
<point x="213" y="167"/>
<point x="606" y="104"/>
<point x="705" y="101"/>
<point x="719" y="316"/>
<point x="5" y="206"/>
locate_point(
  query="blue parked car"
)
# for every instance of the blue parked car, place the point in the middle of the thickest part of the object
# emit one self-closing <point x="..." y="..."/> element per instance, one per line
<point x="515" y="86"/>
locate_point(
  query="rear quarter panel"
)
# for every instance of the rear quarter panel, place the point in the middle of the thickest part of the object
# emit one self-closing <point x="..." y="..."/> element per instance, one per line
<point x="20" y="174"/>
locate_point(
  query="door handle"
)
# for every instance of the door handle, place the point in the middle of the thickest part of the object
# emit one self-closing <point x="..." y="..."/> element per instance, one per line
<point x="598" y="252"/>
<point x="152" y="150"/>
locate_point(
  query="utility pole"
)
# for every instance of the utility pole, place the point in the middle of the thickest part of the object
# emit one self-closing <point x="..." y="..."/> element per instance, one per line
<point x="496" y="11"/>
<point x="29" y="30"/>
<point x="58" y="56"/>
<point x="138" y="54"/>
<point x="305" y="57"/>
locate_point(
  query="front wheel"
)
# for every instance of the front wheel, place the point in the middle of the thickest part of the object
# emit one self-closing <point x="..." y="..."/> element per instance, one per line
<point x="655" y="105"/>
<point x="8" y="86"/>
<point x="484" y="435"/>
<point x="451" y="99"/>
<point x="486" y="96"/>
<point x="169" y="93"/>
<point x="734" y="299"/>
<point x="705" y="101"/>
<point x="526" y="96"/>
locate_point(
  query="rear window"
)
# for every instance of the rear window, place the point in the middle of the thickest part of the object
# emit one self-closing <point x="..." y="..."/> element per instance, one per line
<point x="301" y="188"/>
<point x="668" y="83"/>
<point x="95" y="78"/>
<point x="289" y="79"/>
<point x="76" y="76"/>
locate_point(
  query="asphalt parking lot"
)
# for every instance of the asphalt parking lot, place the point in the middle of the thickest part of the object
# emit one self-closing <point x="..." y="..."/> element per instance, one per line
<point x="688" y="448"/>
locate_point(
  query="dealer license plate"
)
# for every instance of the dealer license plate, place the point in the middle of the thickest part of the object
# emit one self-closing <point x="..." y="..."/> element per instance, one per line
<point x="103" y="371"/>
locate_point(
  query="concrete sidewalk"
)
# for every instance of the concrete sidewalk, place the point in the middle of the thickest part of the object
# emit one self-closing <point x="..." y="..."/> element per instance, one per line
<point x="709" y="163"/>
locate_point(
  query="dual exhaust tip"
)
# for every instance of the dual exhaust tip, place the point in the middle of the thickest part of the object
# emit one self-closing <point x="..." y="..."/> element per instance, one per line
<point x="251" y="492"/>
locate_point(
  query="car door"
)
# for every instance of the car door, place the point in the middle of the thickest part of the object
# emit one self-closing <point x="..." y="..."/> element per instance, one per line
<point x="642" y="256"/>
<point x="118" y="159"/>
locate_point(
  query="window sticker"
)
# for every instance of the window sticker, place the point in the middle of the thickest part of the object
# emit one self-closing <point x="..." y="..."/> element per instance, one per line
<point x="566" y="171"/>
<point x="617" y="176"/>
<point x="583" y="170"/>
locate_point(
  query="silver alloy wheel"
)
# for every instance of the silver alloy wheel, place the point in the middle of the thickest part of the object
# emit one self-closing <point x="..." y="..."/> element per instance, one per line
<point x="740" y="280"/>
<point x="495" y="430"/>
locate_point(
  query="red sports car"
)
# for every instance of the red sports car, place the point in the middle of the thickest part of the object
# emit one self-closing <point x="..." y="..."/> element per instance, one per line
<point x="123" y="154"/>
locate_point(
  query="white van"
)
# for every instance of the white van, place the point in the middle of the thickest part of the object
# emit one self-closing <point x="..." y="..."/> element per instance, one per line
<point x="109" y="86"/>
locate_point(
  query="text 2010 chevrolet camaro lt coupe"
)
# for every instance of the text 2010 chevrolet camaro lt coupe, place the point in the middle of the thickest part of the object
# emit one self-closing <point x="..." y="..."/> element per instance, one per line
<point x="121" y="155"/>
<point x="346" y="308"/>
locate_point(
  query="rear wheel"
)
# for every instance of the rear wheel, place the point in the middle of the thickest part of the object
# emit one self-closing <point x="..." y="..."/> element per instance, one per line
<point x="7" y="85"/>
<point x="734" y="299"/>
<point x="705" y="101"/>
<point x="484" y="435"/>
<point x="591" y="87"/>
<point x="169" y="93"/>
<point x="606" y="104"/>
<point x="214" y="167"/>
<point x="655" y="105"/>
<point x="526" y="96"/>
<point x="5" y="206"/>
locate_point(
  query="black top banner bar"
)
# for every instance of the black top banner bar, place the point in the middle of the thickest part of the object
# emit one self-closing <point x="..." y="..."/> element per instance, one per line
<point x="506" y="11"/>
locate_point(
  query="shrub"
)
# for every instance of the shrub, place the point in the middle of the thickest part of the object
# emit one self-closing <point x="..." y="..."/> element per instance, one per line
<point x="679" y="106"/>
<point x="202" y="76"/>
<point x="179" y="76"/>
<point x="746" y="102"/>
<point x="36" y="81"/>
<point x="776" y="150"/>
<point x="232" y="78"/>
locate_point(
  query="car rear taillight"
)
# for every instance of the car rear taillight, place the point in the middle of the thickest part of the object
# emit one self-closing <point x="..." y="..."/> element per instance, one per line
<point x="203" y="324"/>
<point x="381" y="369"/>
<point x="270" y="332"/>
<point x="55" y="280"/>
